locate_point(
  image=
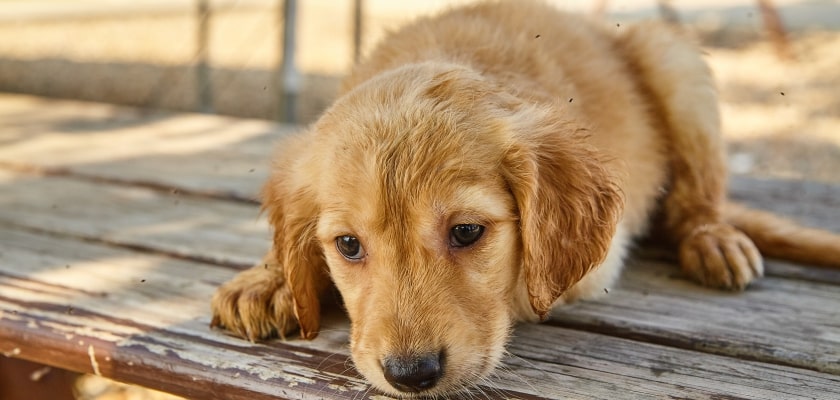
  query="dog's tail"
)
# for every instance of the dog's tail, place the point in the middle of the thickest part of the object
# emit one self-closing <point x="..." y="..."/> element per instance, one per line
<point x="784" y="239"/>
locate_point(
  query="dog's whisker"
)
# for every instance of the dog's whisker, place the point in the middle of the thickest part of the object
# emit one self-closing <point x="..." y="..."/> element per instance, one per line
<point x="488" y="387"/>
<point x="481" y="387"/>
<point x="343" y="362"/>
<point x="363" y="394"/>
<point x="522" y="378"/>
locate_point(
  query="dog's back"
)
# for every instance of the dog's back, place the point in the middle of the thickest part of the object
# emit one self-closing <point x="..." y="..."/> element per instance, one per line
<point x="543" y="55"/>
<point x="637" y="87"/>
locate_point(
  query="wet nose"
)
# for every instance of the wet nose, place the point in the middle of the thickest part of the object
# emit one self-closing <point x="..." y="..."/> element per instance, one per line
<point x="414" y="373"/>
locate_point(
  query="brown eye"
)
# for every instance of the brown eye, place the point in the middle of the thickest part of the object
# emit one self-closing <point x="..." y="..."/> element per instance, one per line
<point x="465" y="234"/>
<point x="349" y="247"/>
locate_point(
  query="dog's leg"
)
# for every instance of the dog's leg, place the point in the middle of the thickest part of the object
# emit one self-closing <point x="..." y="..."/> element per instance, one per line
<point x="257" y="303"/>
<point x="682" y="92"/>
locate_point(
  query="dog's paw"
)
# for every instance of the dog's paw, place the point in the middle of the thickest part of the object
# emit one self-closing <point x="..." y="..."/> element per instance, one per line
<point x="256" y="304"/>
<point x="718" y="255"/>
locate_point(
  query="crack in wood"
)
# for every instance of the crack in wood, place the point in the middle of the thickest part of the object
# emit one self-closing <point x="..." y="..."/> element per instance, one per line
<point x="192" y="257"/>
<point x="66" y="172"/>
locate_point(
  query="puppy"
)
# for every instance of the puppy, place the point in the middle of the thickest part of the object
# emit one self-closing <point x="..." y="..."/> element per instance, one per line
<point x="483" y="166"/>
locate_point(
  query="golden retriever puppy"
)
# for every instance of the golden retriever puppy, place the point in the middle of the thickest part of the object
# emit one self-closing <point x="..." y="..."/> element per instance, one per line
<point x="484" y="165"/>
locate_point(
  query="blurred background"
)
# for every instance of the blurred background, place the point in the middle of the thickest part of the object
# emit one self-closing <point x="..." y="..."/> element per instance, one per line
<point x="777" y="63"/>
<point x="780" y="80"/>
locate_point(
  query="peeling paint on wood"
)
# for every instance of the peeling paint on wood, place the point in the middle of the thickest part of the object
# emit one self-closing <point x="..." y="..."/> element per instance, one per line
<point x="93" y="364"/>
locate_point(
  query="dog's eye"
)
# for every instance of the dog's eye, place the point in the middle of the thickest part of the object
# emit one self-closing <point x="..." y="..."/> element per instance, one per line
<point x="465" y="234"/>
<point x="349" y="247"/>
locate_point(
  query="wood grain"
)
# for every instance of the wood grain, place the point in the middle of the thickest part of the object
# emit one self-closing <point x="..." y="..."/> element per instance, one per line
<point x="181" y="225"/>
<point x="776" y="320"/>
<point x="116" y="226"/>
<point x="144" y="318"/>
<point x="195" y="152"/>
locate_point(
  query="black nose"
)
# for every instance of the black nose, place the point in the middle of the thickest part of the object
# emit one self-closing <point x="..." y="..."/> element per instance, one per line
<point x="414" y="373"/>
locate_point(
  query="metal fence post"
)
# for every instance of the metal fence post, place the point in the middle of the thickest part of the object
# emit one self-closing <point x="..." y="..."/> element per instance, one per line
<point x="357" y="29"/>
<point x="289" y="76"/>
<point x="202" y="67"/>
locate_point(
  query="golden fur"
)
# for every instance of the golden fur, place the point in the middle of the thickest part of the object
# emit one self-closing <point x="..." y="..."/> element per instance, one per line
<point x="563" y="139"/>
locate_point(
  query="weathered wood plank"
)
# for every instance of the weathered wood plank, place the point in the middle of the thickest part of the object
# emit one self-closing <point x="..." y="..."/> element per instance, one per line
<point x="187" y="226"/>
<point x="772" y="267"/>
<point x="775" y="320"/>
<point x="787" y="319"/>
<point x="196" y="152"/>
<point x="148" y="317"/>
<point x="639" y="368"/>
<point x="812" y="203"/>
<point x="226" y="232"/>
<point x="143" y="318"/>
<point x="180" y="365"/>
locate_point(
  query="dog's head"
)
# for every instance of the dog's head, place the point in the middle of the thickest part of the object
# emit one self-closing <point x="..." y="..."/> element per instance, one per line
<point x="443" y="209"/>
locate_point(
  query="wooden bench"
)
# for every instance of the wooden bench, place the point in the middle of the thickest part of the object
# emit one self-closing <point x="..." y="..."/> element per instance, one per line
<point x="117" y="224"/>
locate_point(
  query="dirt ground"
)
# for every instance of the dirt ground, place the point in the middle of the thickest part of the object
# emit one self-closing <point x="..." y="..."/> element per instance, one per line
<point x="782" y="118"/>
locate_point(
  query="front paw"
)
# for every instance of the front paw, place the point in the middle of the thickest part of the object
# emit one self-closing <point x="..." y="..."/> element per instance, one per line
<point x="256" y="304"/>
<point x="718" y="255"/>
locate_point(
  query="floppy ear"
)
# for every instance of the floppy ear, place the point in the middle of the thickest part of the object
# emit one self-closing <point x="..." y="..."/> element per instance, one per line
<point x="568" y="204"/>
<point x="288" y="200"/>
